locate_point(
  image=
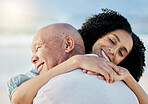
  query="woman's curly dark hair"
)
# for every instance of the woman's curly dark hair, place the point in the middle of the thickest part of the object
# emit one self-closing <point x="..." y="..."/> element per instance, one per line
<point x="103" y="23"/>
<point x="135" y="61"/>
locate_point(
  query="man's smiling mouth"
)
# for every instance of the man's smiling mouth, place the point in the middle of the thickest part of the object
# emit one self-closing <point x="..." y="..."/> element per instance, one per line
<point x="39" y="67"/>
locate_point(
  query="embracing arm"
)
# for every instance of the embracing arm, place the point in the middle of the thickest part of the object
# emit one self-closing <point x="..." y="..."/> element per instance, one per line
<point x="137" y="89"/>
<point x="126" y="76"/>
<point x="26" y="92"/>
<point x="14" y="82"/>
<point x="131" y="83"/>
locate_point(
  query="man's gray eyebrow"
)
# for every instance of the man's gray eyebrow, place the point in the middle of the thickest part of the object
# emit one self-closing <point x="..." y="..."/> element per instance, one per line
<point x="33" y="46"/>
<point x="116" y="37"/>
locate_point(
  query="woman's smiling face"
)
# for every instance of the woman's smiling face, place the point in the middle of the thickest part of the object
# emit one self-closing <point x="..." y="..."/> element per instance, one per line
<point x="114" y="46"/>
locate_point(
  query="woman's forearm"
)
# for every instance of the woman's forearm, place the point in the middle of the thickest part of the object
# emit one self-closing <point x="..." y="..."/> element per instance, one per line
<point x="26" y="92"/>
<point x="137" y="89"/>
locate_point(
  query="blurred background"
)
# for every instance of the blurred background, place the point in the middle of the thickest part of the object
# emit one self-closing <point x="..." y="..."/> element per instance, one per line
<point x="20" y="20"/>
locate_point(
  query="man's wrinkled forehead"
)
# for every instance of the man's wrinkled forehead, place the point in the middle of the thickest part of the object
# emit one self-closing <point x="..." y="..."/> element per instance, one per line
<point x="43" y="34"/>
<point x="58" y="31"/>
<point x="46" y="35"/>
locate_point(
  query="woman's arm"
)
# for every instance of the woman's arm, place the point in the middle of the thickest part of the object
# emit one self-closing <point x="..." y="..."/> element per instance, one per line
<point x="138" y="90"/>
<point x="26" y="92"/>
<point x="14" y="82"/>
<point x="134" y="86"/>
<point x="130" y="82"/>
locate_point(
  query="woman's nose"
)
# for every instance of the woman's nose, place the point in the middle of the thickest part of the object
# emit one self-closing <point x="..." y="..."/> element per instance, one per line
<point x="113" y="50"/>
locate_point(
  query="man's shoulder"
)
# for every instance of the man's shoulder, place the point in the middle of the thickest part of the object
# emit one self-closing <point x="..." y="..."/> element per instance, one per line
<point x="77" y="78"/>
<point x="75" y="84"/>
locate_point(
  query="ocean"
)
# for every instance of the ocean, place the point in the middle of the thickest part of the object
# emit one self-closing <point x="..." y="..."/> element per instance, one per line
<point x="15" y="55"/>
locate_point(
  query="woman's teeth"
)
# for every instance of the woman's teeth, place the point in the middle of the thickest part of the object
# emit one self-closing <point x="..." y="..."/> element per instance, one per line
<point x="104" y="55"/>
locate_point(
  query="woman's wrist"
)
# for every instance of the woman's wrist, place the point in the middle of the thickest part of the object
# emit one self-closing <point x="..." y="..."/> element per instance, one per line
<point x="71" y="64"/>
<point x="129" y="79"/>
<point x="77" y="61"/>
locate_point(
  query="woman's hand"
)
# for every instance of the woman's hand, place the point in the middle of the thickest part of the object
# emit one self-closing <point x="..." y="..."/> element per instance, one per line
<point x="99" y="66"/>
<point x="124" y="75"/>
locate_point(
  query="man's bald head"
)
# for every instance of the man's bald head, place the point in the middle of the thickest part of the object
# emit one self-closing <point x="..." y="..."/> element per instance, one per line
<point x="61" y="39"/>
<point x="54" y="44"/>
<point x="59" y="32"/>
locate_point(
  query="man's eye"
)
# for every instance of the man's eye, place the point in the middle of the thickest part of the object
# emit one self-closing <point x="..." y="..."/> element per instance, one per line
<point x="112" y="41"/>
<point x="37" y="48"/>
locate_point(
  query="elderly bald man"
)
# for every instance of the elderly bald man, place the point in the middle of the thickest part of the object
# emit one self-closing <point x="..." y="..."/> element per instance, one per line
<point x="51" y="45"/>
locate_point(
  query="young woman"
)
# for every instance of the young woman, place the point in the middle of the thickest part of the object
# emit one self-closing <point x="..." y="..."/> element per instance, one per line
<point x="106" y="23"/>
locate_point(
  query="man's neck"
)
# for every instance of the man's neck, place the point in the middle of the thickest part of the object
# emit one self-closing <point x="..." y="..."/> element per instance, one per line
<point x="77" y="52"/>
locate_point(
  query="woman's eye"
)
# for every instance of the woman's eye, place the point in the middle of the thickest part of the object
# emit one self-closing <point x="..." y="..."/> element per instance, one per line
<point x="112" y="41"/>
<point x="121" y="54"/>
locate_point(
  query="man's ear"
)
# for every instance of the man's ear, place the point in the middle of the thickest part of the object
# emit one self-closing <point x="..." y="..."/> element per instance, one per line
<point x="69" y="44"/>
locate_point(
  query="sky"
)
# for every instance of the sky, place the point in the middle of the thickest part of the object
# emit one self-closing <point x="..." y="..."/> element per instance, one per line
<point x="27" y="16"/>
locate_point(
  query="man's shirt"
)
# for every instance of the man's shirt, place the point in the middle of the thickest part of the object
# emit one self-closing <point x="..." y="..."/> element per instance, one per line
<point x="76" y="87"/>
<point x="14" y="82"/>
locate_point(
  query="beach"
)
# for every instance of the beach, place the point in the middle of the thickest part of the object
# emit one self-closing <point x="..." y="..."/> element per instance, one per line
<point x="15" y="56"/>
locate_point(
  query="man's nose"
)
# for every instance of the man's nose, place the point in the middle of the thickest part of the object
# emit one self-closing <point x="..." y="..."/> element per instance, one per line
<point x="34" y="58"/>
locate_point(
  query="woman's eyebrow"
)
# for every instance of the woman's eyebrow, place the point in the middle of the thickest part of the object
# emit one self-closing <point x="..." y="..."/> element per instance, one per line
<point x="116" y="37"/>
<point x="119" y="41"/>
<point x="125" y="49"/>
